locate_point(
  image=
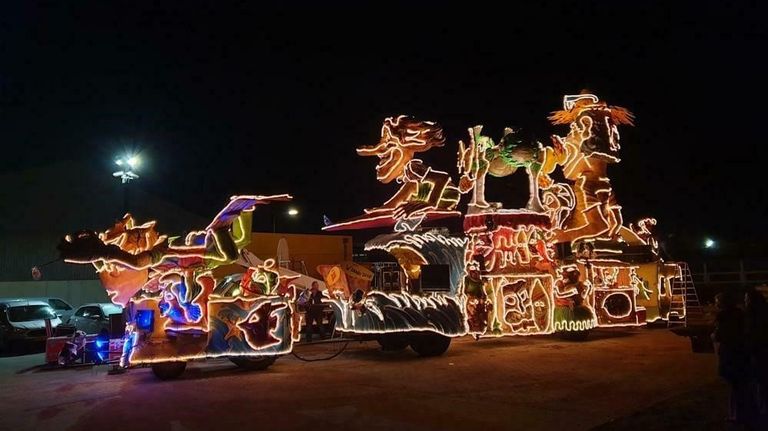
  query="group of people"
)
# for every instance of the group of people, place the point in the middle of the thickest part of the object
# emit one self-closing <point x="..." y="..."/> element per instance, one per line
<point x="741" y="341"/>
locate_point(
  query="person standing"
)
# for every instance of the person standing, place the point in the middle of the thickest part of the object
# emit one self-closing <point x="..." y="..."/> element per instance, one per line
<point x="756" y="337"/>
<point x="315" y="309"/>
<point x="728" y="337"/>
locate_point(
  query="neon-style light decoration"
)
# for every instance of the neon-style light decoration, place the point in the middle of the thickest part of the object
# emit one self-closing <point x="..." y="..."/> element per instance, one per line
<point x="482" y="156"/>
<point x="584" y="154"/>
<point x="385" y="313"/>
<point x="564" y="263"/>
<point x="510" y="253"/>
<point x="169" y="282"/>
<point x="423" y="193"/>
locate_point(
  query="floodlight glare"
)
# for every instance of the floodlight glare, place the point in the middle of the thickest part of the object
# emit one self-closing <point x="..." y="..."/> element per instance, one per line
<point x="134" y="161"/>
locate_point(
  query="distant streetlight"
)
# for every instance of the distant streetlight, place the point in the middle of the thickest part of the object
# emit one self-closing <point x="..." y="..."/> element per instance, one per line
<point x="292" y="212"/>
<point x="128" y="164"/>
<point x="710" y="243"/>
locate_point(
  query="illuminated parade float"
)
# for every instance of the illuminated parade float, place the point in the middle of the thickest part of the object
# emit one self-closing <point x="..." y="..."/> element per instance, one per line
<point x="566" y="263"/>
<point x="178" y="311"/>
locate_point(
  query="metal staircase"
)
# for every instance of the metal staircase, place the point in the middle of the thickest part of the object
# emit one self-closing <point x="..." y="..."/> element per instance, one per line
<point x="685" y="306"/>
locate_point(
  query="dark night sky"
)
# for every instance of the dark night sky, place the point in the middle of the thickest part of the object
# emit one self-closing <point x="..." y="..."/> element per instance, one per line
<point x="254" y="99"/>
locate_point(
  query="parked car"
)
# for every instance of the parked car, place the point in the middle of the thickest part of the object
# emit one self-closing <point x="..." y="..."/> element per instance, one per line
<point x="92" y="318"/>
<point x="22" y="322"/>
<point x="60" y="306"/>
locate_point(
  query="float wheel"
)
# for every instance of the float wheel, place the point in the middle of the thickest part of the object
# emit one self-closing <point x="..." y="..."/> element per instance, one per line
<point x="168" y="370"/>
<point x="429" y="343"/>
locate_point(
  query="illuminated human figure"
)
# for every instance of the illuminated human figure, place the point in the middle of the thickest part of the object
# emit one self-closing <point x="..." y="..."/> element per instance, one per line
<point x="423" y="189"/>
<point x="572" y="311"/>
<point x="478" y="306"/>
<point x="584" y="155"/>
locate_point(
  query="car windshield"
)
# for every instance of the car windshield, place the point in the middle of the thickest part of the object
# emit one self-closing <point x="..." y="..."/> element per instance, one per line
<point x="28" y="313"/>
<point x="112" y="309"/>
<point x="58" y="304"/>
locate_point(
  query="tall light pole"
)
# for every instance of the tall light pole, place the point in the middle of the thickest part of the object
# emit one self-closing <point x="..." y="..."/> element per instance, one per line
<point x="127" y="165"/>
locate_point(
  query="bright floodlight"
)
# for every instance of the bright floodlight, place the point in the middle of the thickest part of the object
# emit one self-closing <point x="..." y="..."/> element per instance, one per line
<point x="126" y="173"/>
<point x="134" y="161"/>
<point x="709" y="243"/>
<point x="293" y="212"/>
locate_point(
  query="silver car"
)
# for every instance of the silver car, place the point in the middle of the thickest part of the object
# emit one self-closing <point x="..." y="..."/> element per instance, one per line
<point x="22" y="321"/>
<point x="60" y="306"/>
<point x="92" y="318"/>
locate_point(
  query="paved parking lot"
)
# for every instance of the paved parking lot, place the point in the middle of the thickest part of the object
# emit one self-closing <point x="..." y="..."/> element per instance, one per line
<point x="616" y="380"/>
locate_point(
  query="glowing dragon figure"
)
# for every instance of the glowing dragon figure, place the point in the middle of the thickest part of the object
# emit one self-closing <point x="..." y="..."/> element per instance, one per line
<point x="176" y="309"/>
<point x="130" y="257"/>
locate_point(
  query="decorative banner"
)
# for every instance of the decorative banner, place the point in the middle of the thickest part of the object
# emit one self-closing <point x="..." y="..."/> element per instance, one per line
<point x="355" y="270"/>
<point x="336" y="280"/>
<point x="346" y="278"/>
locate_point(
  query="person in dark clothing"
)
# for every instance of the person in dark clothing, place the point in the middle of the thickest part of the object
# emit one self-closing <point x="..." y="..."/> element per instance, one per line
<point x="756" y="337"/>
<point x="731" y="352"/>
<point x="315" y="309"/>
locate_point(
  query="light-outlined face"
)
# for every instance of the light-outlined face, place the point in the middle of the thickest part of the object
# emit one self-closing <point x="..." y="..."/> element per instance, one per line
<point x="601" y="135"/>
<point x="131" y="237"/>
<point x="401" y="138"/>
<point x="594" y="124"/>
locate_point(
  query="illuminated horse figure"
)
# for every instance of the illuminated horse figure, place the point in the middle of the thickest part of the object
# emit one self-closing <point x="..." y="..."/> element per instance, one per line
<point x="584" y="154"/>
<point x="423" y="189"/>
<point x="482" y="156"/>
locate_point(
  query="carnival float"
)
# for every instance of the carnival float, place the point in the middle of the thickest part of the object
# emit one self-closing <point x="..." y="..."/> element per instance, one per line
<point x="177" y="310"/>
<point x="566" y="263"/>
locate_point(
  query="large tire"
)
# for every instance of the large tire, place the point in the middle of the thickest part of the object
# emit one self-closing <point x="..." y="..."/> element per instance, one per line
<point x="253" y="364"/>
<point x="168" y="370"/>
<point x="392" y="342"/>
<point x="429" y="343"/>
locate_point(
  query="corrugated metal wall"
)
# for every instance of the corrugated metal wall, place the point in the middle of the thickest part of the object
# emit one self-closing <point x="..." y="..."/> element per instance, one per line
<point x="19" y="253"/>
<point x="75" y="292"/>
